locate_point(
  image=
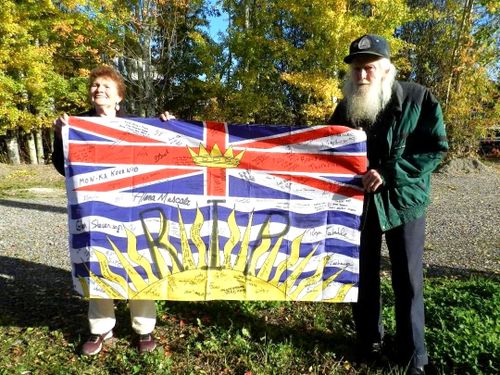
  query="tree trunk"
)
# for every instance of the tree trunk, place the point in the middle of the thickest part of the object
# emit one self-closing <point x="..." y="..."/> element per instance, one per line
<point x="30" y="140"/>
<point x="50" y="146"/>
<point x="13" y="150"/>
<point x="39" y="147"/>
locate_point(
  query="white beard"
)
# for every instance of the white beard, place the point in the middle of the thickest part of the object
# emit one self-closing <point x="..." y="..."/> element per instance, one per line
<point x="365" y="102"/>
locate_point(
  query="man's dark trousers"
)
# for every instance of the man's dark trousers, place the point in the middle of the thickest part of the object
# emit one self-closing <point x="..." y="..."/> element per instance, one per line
<point x="406" y="245"/>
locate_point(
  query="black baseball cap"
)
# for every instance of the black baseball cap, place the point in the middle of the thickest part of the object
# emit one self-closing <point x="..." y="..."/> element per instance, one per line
<point x="368" y="44"/>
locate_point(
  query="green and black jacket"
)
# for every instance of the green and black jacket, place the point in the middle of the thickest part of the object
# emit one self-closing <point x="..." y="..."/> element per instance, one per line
<point x="406" y="143"/>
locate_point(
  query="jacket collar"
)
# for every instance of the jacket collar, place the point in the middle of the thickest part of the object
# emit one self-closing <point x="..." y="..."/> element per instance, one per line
<point x="392" y="111"/>
<point x="396" y="102"/>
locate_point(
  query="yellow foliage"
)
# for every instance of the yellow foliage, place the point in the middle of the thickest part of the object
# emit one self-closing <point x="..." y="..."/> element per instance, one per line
<point x="62" y="27"/>
<point x="73" y="4"/>
<point x="317" y="84"/>
<point x="80" y="39"/>
<point x="197" y="37"/>
<point x="83" y="72"/>
<point x="317" y="114"/>
<point x="322" y="90"/>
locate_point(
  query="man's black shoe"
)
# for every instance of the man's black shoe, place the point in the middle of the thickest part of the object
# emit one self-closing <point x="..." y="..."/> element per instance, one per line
<point x="370" y="353"/>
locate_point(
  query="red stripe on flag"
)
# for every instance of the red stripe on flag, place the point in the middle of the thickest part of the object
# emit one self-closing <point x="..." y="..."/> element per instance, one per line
<point x="296" y="137"/>
<point x="216" y="135"/>
<point x="136" y="180"/>
<point x="216" y="177"/>
<point x="129" y="154"/>
<point x="216" y="181"/>
<point x="314" y="163"/>
<point x="331" y="187"/>
<point x="105" y="131"/>
<point x="179" y="156"/>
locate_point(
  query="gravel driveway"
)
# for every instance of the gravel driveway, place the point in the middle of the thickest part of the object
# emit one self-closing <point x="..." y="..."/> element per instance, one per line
<point x="462" y="226"/>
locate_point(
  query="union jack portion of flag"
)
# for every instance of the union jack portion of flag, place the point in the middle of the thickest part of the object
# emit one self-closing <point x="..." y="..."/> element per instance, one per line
<point x="187" y="210"/>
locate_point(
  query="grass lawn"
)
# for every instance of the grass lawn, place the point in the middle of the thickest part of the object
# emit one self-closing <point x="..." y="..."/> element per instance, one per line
<point x="231" y="337"/>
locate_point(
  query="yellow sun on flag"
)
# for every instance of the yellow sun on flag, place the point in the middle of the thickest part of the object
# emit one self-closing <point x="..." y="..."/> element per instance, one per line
<point x="212" y="275"/>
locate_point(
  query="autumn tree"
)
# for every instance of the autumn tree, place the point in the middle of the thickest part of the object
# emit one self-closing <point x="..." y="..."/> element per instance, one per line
<point x="25" y="63"/>
<point x="284" y="58"/>
<point x="44" y="49"/>
<point x="163" y="50"/>
<point x="453" y="50"/>
<point x="189" y="57"/>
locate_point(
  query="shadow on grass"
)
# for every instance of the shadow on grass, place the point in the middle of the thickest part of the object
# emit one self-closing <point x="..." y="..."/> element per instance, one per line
<point x="443" y="271"/>
<point x="36" y="295"/>
<point x="32" y="206"/>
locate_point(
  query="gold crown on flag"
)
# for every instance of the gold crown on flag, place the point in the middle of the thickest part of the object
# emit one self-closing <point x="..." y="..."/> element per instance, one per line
<point x="215" y="158"/>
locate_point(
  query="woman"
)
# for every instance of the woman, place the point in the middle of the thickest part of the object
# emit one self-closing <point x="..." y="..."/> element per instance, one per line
<point x="106" y="92"/>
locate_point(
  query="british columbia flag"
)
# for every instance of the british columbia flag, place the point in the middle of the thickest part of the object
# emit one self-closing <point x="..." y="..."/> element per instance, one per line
<point x="191" y="210"/>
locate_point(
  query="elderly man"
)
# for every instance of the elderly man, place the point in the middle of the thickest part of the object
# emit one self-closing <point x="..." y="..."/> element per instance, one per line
<point x="406" y="141"/>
